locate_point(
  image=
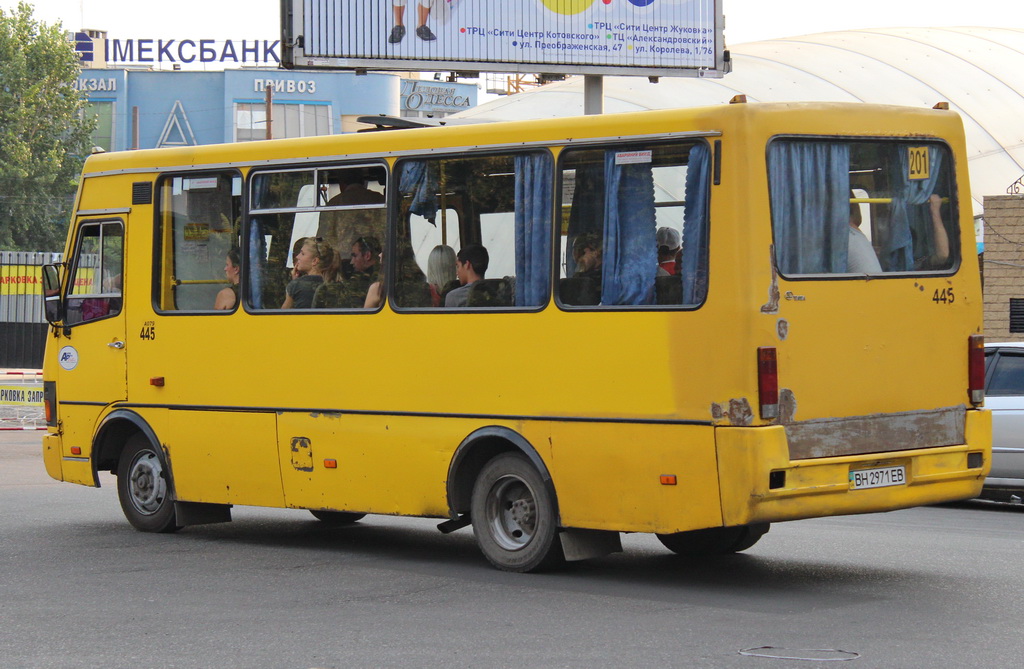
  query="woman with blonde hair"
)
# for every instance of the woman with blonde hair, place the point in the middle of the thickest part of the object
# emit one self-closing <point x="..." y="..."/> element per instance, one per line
<point x="317" y="262"/>
<point x="441" y="273"/>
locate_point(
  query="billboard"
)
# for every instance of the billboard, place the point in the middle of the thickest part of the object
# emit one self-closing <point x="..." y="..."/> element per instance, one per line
<point x="638" y="37"/>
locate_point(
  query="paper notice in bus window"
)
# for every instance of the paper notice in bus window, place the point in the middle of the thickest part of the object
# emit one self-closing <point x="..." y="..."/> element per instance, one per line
<point x="632" y="157"/>
<point x="201" y="184"/>
<point x="197" y="232"/>
<point x="917" y="160"/>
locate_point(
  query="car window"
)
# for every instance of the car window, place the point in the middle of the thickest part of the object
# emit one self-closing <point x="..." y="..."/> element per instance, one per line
<point x="1006" y="377"/>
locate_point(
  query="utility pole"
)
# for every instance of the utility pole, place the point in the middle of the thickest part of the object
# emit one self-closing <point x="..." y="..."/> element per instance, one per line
<point x="270" y="110"/>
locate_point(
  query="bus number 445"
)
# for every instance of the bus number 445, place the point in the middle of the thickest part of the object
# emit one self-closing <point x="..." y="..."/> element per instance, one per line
<point x="148" y="332"/>
<point x="944" y="296"/>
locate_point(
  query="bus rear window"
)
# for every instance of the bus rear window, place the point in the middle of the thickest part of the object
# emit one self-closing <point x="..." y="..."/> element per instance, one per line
<point x="862" y="207"/>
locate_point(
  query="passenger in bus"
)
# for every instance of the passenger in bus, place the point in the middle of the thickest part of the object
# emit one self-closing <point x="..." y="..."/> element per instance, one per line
<point x="583" y="288"/>
<point x="861" y="257"/>
<point x="316" y="260"/>
<point x="354" y="191"/>
<point x="940" y="257"/>
<point x="587" y="253"/>
<point x="441" y="273"/>
<point x="227" y="298"/>
<point x="470" y="267"/>
<point x="669" y="249"/>
<point x="365" y="261"/>
<point x="375" y="293"/>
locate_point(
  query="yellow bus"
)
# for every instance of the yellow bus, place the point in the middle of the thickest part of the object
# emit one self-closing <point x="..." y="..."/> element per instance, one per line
<point x="692" y="323"/>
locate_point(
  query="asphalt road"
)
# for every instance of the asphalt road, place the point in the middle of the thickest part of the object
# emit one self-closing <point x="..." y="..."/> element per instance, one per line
<point x="929" y="587"/>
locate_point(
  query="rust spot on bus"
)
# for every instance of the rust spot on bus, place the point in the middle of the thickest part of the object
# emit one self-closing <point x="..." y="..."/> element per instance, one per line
<point x="787" y="406"/>
<point x="738" y="412"/>
<point x="772" y="305"/>
<point x="782" y="327"/>
<point x="302" y="454"/>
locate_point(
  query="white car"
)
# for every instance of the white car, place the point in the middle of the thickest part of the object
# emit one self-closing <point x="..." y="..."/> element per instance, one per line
<point x="1004" y="397"/>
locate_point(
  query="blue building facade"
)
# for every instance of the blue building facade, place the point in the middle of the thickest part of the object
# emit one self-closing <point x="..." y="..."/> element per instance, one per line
<point x="177" y="108"/>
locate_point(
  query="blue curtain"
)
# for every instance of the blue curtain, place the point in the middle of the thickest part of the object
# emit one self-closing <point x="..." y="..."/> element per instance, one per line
<point x="533" y="231"/>
<point x="695" y="226"/>
<point x="419" y="179"/>
<point x="906" y="222"/>
<point x="257" y="251"/>
<point x="257" y="262"/>
<point x="630" y="253"/>
<point x="809" y="184"/>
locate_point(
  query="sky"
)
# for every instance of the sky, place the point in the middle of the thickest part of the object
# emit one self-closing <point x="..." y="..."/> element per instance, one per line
<point x="746" y="20"/>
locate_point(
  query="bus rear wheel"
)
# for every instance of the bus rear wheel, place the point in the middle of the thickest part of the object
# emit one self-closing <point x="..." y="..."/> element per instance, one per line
<point x="336" y="517"/>
<point x="714" y="540"/>
<point x="513" y="516"/>
<point x="143" y="487"/>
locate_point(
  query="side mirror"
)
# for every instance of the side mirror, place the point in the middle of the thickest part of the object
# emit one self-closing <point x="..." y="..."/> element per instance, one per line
<point x="53" y="306"/>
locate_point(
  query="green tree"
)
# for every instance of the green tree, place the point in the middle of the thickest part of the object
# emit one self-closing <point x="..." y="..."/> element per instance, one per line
<point x="44" y="135"/>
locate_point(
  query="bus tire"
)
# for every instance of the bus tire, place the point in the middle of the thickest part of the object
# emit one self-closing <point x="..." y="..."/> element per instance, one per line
<point x="144" y="487"/>
<point x="513" y="516"/>
<point x="336" y="517"/>
<point x="751" y="535"/>
<point x="714" y="540"/>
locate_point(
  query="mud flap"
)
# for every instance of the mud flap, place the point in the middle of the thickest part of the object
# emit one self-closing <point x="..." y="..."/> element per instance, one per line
<point x="587" y="544"/>
<point x="198" y="513"/>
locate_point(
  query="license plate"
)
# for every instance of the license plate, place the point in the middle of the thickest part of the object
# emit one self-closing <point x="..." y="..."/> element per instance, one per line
<point x="877" y="478"/>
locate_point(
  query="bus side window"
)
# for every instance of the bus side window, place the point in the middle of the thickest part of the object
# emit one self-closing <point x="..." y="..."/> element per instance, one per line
<point x="95" y="285"/>
<point x="200" y="218"/>
<point x="339" y="213"/>
<point x="635" y="226"/>
<point x="499" y="202"/>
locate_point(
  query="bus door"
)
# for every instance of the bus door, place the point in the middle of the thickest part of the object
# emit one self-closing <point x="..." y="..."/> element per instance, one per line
<point x="92" y="368"/>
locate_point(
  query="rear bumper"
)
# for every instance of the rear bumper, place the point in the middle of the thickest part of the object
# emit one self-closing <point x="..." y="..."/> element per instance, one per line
<point x="809" y="488"/>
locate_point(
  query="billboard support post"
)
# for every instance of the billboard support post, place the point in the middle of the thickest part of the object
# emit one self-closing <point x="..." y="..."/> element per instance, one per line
<point x="593" y="94"/>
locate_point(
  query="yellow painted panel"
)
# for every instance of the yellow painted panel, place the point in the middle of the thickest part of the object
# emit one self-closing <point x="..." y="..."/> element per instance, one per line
<point x="78" y="423"/>
<point x="51" y="456"/>
<point x="385" y="464"/>
<point x="224" y="457"/>
<point x="607" y="475"/>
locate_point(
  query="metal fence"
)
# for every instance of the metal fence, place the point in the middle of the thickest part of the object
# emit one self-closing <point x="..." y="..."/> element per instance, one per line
<point x="22" y="325"/>
<point x="21" y="400"/>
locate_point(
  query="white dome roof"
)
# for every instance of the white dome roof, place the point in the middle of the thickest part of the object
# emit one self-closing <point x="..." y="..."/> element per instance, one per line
<point x="979" y="71"/>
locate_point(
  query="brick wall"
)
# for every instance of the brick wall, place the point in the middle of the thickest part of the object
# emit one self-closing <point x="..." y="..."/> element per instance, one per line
<point x="1003" y="263"/>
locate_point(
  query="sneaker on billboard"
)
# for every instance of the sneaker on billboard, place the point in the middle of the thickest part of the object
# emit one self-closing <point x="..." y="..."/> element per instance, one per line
<point x="423" y="32"/>
<point x="397" y="33"/>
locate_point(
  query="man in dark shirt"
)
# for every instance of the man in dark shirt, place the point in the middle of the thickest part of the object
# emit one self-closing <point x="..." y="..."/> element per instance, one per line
<point x="470" y="267"/>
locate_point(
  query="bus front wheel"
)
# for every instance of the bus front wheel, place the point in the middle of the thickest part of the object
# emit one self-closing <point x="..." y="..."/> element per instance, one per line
<point x="513" y="516"/>
<point x="143" y="487"/>
<point x="714" y="541"/>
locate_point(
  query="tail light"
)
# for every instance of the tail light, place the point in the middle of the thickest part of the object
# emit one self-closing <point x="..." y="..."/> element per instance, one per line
<point x="976" y="369"/>
<point x="768" y="382"/>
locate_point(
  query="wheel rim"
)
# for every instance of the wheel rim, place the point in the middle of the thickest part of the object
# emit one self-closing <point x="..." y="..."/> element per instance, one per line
<point x="147" y="488"/>
<point x="511" y="513"/>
